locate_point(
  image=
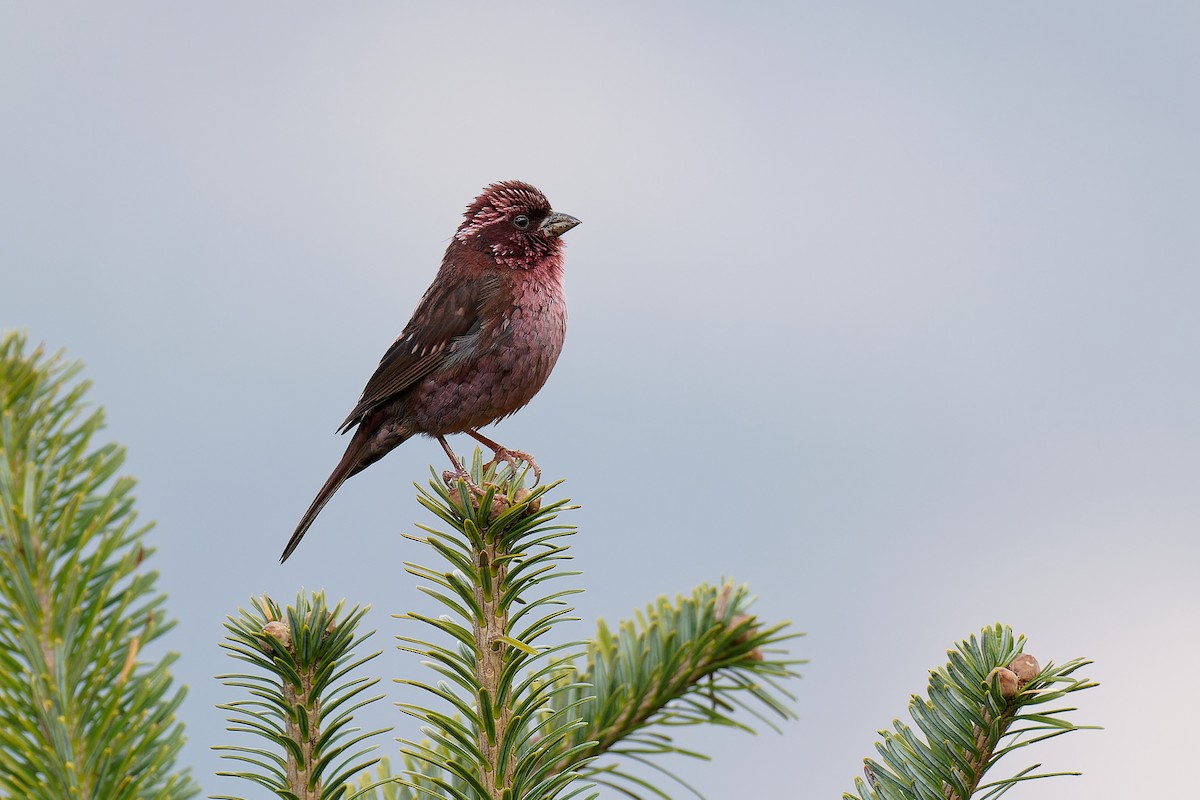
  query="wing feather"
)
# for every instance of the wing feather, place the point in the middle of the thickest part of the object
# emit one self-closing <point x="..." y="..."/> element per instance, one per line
<point x="444" y="314"/>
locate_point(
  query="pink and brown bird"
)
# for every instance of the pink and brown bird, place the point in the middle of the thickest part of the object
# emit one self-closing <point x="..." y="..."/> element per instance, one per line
<point x="479" y="346"/>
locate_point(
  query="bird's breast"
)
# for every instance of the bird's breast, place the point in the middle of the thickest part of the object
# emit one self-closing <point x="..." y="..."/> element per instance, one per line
<point x="500" y="366"/>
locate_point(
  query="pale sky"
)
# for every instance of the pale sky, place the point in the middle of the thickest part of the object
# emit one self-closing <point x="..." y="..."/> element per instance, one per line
<point x="887" y="310"/>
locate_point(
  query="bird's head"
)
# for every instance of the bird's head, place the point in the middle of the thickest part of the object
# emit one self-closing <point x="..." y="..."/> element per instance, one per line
<point x="514" y="223"/>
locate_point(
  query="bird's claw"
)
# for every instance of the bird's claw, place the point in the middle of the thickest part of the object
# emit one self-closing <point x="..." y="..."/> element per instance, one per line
<point x="514" y="458"/>
<point x="453" y="476"/>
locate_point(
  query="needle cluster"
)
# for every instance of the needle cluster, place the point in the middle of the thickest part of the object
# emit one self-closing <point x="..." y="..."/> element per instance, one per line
<point x="83" y="712"/>
<point x="504" y="737"/>
<point x="990" y="699"/>
<point x="304" y="690"/>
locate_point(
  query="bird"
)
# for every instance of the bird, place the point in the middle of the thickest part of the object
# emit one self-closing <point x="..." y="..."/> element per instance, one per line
<point x="481" y="342"/>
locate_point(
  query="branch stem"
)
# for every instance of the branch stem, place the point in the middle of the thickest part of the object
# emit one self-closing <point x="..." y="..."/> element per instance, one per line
<point x="986" y="739"/>
<point x="302" y="701"/>
<point x="489" y="628"/>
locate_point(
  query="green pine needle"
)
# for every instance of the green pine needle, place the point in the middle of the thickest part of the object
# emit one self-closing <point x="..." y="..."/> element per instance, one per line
<point x="528" y="721"/>
<point x="971" y="718"/>
<point x="307" y="699"/>
<point x="82" y="713"/>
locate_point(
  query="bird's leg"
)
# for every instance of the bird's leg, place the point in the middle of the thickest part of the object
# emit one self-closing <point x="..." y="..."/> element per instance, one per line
<point x="510" y="457"/>
<point x="460" y="472"/>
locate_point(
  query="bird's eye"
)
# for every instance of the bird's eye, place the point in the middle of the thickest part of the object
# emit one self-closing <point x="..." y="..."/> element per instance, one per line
<point x="521" y="221"/>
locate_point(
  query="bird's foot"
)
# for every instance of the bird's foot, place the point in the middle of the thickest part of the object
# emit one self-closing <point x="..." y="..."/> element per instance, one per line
<point x="453" y="476"/>
<point x="502" y="454"/>
<point x="514" y="458"/>
<point x="472" y="503"/>
<point x="459" y="473"/>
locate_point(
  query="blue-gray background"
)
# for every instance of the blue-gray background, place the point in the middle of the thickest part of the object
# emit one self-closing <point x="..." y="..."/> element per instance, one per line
<point x="888" y="310"/>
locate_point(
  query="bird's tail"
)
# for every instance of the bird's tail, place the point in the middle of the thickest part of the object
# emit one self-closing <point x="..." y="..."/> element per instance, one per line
<point x="360" y="454"/>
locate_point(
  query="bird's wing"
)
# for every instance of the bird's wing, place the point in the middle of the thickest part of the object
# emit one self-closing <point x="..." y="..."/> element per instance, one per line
<point x="444" y="314"/>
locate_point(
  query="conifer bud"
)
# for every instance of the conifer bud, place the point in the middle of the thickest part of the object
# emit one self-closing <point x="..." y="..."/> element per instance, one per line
<point x="280" y="632"/>
<point x="1007" y="680"/>
<point x="1026" y="668"/>
<point x="534" y="506"/>
<point x="750" y="630"/>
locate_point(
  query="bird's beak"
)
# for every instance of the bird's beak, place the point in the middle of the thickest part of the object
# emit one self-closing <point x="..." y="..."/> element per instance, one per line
<point x="557" y="224"/>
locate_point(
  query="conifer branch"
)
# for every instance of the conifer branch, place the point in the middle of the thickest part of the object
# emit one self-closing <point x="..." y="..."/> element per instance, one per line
<point x="498" y="741"/>
<point x="698" y="659"/>
<point x="304" y="698"/>
<point x="81" y="714"/>
<point x="990" y="693"/>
